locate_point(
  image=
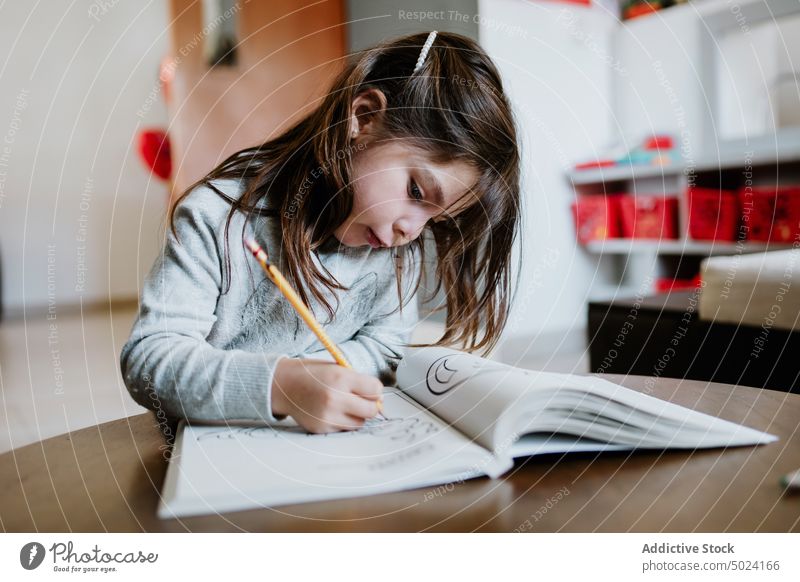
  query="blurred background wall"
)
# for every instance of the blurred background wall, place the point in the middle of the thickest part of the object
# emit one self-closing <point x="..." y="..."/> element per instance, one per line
<point x="79" y="215"/>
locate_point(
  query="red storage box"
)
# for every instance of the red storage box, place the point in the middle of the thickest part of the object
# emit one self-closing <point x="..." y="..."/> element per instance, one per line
<point x="596" y="217"/>
<point x="773" y="213"/>
<point x="648" y="217"/>
<point x="667" y="284"/>
<point x="713" y="214"/>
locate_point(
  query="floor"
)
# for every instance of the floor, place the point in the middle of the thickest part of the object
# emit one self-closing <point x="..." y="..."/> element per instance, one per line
<point x="62" y="374"/>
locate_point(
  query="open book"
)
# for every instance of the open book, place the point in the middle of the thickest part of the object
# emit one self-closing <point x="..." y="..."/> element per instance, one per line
<point x="452" y="416"/>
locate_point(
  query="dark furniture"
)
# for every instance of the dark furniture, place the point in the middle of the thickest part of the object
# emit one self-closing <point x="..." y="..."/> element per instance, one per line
<point x="108" y="478"/>
<point x="662" y="336"/>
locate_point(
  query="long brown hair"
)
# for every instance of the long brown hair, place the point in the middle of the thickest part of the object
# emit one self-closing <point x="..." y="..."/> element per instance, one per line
<point x="453" y="108"/>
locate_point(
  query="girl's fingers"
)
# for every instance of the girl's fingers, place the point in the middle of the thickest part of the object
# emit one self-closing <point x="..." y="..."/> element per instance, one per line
<point x="359" y="407"/>
<point x="350" y="422"/>
<point x="372" y="389"/>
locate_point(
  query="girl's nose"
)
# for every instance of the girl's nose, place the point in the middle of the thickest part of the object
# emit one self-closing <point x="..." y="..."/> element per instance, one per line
<point x="408" y="229"/>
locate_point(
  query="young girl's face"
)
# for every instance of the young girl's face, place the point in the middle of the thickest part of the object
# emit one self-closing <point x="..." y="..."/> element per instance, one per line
<point x="397" y="190"/>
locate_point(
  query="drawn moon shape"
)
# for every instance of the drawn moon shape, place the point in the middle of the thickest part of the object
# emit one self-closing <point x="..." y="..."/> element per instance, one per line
<point x="439" y="379"/>
<point x="439" y="376"/>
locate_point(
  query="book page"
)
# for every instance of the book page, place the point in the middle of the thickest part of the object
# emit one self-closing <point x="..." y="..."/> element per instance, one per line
<point x="468" y="391"/>
<point x="228" y="468"/>
<point x="495" y="404"/>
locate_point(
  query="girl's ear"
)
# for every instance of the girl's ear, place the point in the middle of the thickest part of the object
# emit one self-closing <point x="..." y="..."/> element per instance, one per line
<point x="366" y="111"/>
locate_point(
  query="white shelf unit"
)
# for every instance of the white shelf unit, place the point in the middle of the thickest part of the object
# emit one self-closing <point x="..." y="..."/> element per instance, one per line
<point x="624" y="262"/>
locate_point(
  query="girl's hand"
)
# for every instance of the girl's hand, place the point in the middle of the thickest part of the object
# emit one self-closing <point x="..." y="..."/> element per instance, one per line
<point x="323" y="396"/>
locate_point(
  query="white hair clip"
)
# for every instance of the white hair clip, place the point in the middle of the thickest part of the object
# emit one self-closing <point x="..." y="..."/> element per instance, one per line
<point x="424" y="52"/>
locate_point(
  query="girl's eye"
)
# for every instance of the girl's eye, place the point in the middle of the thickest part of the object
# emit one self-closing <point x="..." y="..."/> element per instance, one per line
<point x="414" y="191"/>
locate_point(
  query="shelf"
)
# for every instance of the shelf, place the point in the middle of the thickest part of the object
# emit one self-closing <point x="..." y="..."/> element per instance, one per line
<point x="624" y="246"/>
<point x="621" y="173"/>
<point x="782" y="147"/>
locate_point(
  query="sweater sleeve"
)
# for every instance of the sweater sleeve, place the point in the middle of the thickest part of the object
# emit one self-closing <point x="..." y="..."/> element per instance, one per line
<point x="377" y="348"/>
<point x="167" y="364"/>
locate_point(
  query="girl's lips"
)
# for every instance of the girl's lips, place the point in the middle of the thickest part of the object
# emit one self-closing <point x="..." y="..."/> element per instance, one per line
<point x="373" y="240"/>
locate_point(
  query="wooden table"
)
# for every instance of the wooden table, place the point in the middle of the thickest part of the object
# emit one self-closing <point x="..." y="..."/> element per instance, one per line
<point x="108" y="478"/>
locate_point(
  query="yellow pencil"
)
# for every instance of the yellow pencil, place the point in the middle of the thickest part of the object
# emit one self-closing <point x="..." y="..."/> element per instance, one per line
<point x="283" y="285"/>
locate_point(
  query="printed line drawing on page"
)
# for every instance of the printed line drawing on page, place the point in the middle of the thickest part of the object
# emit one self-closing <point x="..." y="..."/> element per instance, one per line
<point x="406" y="430"/>
<point x="447" y="373"/>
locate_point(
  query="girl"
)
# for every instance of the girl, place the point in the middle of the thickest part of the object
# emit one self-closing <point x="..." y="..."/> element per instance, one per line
<point x="414" y="135"/>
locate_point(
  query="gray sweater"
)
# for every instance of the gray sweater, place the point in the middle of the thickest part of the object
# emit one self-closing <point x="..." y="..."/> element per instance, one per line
<point x="196" y="353"/>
